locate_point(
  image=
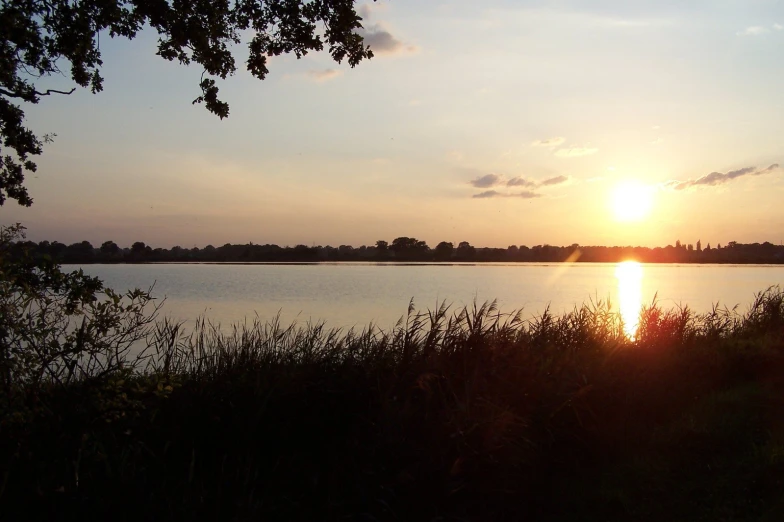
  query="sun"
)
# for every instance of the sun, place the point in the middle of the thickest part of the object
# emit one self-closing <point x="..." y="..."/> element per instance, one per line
<point x="632" y="201"/>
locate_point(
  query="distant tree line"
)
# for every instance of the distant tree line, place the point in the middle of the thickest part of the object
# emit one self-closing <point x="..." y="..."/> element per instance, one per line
<point x="403" y="249"/>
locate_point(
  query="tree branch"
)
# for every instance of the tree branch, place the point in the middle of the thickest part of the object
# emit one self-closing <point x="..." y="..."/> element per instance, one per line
<point x="47" y="93"/>
<point x="54" y="91"/>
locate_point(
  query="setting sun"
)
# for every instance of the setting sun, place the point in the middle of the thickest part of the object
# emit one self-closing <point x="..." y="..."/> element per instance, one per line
<point x="632" y="201"/>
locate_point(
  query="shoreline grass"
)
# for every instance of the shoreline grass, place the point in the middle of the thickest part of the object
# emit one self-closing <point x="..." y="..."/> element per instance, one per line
<point x="471" y="414"/>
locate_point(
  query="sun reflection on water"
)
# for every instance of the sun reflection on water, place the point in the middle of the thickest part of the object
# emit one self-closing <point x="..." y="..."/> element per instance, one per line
<point x="629" y="275"/>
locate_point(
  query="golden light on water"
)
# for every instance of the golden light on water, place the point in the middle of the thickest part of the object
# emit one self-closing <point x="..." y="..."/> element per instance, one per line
<point x="629" y="275"/>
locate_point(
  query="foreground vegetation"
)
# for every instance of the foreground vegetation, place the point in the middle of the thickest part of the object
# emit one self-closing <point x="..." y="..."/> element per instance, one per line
<point x="468" y="414"/>
<point x="474" y="415"/>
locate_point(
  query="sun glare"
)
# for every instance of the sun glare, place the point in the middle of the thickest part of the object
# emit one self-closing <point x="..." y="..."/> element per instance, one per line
<point x="632" y="201"/>
<point x="629" y="275"/>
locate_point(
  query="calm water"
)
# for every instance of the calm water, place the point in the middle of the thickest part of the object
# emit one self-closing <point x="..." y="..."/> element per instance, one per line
<point x="352" y="294"/>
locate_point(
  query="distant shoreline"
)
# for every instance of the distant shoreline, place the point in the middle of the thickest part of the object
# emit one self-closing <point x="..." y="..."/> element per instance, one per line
<point x="428" y="263"/>
<point x="403" y="250"/>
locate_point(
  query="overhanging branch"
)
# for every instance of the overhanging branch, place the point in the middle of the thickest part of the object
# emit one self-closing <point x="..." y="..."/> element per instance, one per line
<point x="48" y="92"/>
<point x="55" y="91"/>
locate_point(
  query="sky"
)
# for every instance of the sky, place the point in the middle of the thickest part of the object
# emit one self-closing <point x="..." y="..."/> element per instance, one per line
<point x="498" y="122"/>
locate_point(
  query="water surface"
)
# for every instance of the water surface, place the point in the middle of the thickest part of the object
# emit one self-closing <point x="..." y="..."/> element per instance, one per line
<point x="354" y="294"/>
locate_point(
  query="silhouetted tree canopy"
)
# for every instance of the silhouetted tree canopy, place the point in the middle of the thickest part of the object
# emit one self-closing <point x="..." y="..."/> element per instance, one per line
<point x="402" y="249"/>
<point x="36" y="36"/>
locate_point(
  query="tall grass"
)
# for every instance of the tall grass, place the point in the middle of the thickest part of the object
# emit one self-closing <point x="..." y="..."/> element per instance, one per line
<point x="454" y="414"/>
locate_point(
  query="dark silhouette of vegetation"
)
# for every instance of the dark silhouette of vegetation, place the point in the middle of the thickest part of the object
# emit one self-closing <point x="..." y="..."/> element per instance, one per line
<point x="404" y="249"/>
<point x="469" y="414"/>
<point x="37" y="36"/>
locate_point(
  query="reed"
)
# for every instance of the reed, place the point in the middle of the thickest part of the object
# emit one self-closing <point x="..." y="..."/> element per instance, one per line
<point x="454" y="414"/>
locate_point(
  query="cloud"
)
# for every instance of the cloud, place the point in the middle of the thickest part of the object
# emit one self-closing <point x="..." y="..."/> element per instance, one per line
<point x="575" y="152"/>
<point x="324" y="75"/>
<point x="754" y="30"/>
<point x="365" y="11"/>
<point x="382" y="42"/>
<point x="377" y="37"/>
<point x="520" y="182"/>
<point x="526" y="194"/>
<point x="549" y="143"/>
<point x="557" y="180"/>
<point x="718" y="178"/>
<point x="778" y="27"/>
<point x="486" y="181"/>
<point x="488" y="194"/>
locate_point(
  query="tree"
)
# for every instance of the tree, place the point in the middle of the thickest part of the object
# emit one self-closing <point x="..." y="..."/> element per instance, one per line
<point x="444" y="251"/>
<point x="409" y="248"/>
<point x="465" y="250"/>
<point x="57" y="328"/>
<point x="36" y="36"/>
<point x="110" y="248"/>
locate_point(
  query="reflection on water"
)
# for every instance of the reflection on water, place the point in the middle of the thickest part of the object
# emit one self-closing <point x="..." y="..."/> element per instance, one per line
<point x="354" y="294"/>
<point x="629" y="275"/>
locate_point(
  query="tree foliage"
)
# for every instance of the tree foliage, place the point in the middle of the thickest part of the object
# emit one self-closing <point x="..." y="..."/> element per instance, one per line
<point x="37" y="36"/>
<point x="56" y="327"/>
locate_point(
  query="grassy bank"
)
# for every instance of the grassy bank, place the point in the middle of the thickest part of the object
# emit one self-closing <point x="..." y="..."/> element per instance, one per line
<point x="470" y="414"/>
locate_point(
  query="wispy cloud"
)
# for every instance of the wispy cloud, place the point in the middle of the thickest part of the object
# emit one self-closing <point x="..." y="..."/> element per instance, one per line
<point x="549" y="143"/>
<point x="526" y="194"/>
<point x="754" y="30"/>
<point x="778" y="27"/>
<point x="520" y="182"/>
<point x="574" y="152"/>
<point x="487" y="194"/>
<point x="324" y="75"/>
<point x="486" y="181"/>
<point x="718" y="178"/>
<point x="557" y="180"/>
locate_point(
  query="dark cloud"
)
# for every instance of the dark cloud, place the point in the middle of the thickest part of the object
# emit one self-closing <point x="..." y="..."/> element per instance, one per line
<point x="486" y="181"/>
<point x="557" y="180"/>
<point x="718" y="178"/>
<point x="520" y="182"/>
<point x="526" y="194"/>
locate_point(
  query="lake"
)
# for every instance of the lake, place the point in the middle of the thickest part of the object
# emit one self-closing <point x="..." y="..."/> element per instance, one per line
<point x="355" y="294"/>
